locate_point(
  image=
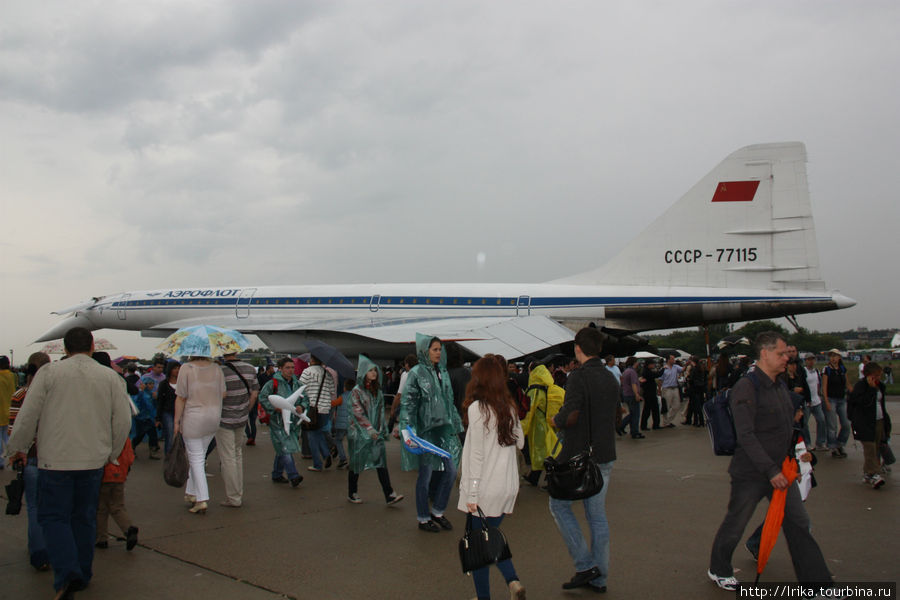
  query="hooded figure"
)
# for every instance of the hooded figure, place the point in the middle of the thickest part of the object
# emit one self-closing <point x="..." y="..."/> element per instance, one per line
<point x="282" y="442"/>
<point x="367" y="432"/>
<point x="546" y="400"/>
<point x="427" y="406"/>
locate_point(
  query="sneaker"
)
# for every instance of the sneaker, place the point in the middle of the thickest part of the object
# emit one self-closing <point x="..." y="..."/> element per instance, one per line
<point x="842" y="452"/>
<point x="430" y="527"/>
<point x="354" y="499"/>
<point x="103" y="545"/>
<point x="877" y="481"/>
<point x="836" y="453"/>
<point x="726" y="583"/>
<point x="154" y="454"/>
<point x="443" y="521"/>
<point x="296" y="480"/>
<point x="343" y="464"/>
<point x="516" y="590"/>
<point x="582" y="578"/>
<point x="131" y="538"/>
<point x="229" y="504"/>
<point x="314" y="469"/>
<point x="394" y="499"/>
<point x="280" y="479"/>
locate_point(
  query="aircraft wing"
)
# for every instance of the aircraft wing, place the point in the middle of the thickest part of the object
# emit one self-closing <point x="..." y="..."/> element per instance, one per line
<point x="510" y="337"/>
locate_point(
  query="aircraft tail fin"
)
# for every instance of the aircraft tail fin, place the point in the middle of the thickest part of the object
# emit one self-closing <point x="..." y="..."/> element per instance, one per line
<point x="746" y="224"/>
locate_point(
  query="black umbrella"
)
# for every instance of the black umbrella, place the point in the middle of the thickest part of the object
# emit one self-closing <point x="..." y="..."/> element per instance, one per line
<point x="14" y="491"/>
<point x="331" y="357"/>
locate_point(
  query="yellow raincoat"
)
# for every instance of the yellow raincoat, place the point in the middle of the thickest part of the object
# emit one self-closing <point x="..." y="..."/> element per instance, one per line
<point x="546" y="400"/>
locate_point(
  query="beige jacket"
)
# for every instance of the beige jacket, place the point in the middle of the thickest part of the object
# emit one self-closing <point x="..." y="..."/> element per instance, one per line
<point x="80" y="412"/>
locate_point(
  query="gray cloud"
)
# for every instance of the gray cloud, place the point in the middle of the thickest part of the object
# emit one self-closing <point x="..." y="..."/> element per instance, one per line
<point x="273" y="142"/>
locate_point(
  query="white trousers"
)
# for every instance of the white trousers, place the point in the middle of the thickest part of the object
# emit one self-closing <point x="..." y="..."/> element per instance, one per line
<point x="196" y="453"/>
<point x="673" y="403"/>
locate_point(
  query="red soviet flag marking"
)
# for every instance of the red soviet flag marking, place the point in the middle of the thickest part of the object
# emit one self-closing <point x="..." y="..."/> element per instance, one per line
<point x="735" y="191"/>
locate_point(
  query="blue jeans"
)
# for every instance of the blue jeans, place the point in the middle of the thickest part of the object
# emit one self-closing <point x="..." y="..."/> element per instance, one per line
<point x="168" y="427"/>
<point x="482" y="577"/>
<point x="838" y="413"/>
<point x="317" y="445"/>
<point x="569" y="528"/>
<point x="67" y="513"/>
<point x="441" y="494"/>
<point x="634" y="415"/>
<point x="37" y="549"/>
<point x="818" y="413"/>
<point x="284" y="463"/>
<point x="4" y="439"/>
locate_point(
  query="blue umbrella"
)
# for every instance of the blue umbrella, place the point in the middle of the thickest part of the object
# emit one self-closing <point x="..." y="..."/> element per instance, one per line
<point x="204" y="340"/>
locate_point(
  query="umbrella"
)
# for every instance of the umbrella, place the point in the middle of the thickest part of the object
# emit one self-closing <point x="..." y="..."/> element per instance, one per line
<point x="53" y="348"/>
<point x="103" y="344"/>
<point x="775" y="515"/>
<point x="732" y="340"/>
<point x="204" y="340"/>
<point x="331" y="357"/>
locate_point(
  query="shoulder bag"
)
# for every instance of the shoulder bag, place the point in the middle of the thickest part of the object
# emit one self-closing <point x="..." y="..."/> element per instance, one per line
<point x="483" y="546"/>
<point x="576" y="478"/>
<point x="313" y="411"/>
<point x="175" y="469"/>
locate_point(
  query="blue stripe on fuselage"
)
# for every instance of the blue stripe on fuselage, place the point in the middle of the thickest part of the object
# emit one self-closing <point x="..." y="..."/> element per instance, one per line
<point x="388" y="302"/>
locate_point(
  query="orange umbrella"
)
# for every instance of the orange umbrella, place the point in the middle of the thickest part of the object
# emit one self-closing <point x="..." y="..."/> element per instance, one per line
<point x="775" y="515"/>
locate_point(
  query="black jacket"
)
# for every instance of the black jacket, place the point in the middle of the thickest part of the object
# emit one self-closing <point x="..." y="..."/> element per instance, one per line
<point x="591" y="383"/>
<point x="763" y="421"/>
<point x="861" y="410"/>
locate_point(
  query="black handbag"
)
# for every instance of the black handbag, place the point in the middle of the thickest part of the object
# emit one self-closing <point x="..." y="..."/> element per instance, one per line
<point x="175" y="469"/>
<point x="15" y="489"/>
<point x="576" y="478"/>
<point x="483" y="546"/>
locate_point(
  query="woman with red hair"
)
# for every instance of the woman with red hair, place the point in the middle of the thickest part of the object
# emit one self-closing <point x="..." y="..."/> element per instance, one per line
<point x="490" y="473"/>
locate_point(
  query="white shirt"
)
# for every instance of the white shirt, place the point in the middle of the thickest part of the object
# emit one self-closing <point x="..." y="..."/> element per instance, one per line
<point x="616" y="372"/>
<point x="402" y="385"/>
<point x="812" y="380"/>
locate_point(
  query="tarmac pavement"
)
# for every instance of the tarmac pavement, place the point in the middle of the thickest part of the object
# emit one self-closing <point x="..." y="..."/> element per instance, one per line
<point x="667" y="496"/>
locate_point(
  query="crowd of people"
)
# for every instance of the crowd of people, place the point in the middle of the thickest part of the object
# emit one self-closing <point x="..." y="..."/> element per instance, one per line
<point x="495" y="424"/>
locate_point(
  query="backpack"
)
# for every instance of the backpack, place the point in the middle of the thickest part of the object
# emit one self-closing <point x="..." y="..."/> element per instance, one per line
<point x="720" y="420"/>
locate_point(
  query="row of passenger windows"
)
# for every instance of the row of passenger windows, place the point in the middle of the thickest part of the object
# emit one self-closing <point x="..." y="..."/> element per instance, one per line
<point x="314" y="301"/>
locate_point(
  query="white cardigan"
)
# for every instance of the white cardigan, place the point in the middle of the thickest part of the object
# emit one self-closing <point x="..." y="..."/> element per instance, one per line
<point x="490" y="472"/>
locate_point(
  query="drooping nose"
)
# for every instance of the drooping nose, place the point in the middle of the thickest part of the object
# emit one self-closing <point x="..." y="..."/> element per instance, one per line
<point x="843" y="301"/>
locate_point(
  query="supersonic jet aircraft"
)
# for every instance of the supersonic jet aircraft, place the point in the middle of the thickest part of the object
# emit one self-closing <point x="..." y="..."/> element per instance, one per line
<point x="740" y="245"/>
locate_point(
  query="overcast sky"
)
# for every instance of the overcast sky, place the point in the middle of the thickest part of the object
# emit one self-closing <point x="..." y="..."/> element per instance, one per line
<point x="176" y="143"/>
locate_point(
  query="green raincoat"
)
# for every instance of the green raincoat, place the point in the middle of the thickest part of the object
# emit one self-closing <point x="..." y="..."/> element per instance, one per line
<point x="546" y="400"/>
<point x="366" y="416"/>
<point x="284" y="443"/>
<point x="427" y="406"/>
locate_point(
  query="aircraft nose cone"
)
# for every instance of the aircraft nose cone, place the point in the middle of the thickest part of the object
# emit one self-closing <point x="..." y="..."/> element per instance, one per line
<point x="843" y="301"/>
